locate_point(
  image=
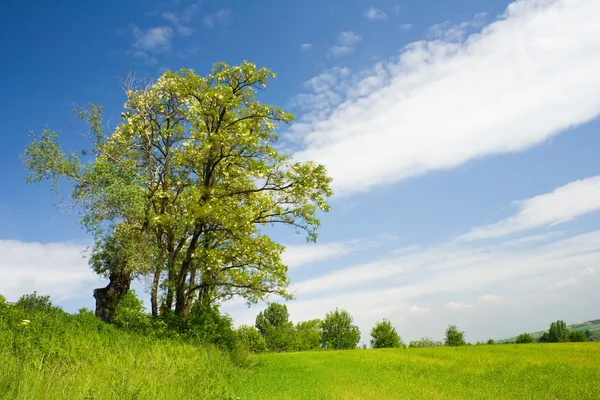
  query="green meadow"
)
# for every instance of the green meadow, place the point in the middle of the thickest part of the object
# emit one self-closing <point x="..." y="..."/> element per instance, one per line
<point x="533" y="371"/>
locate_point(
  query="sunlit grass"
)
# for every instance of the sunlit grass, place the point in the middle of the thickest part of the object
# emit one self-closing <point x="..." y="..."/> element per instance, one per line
<point x="536" y="371"/>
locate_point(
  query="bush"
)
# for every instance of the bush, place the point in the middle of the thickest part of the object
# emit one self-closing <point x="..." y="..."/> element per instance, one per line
<point x="308" y="335"/>
<point x="338" y="331"/>
<point x="208" y="325"/>
<point x="384" y="335"/>
<point x="251" y="339"/>
<point x="130" y="315"/>
<point x="424" y="342"/>
<point x="454" y="337"/>
<point x="524" y="338"/>
<point x="577" y="336"/>
<point x="490" y="341"/>
<point x="34" y="302"/>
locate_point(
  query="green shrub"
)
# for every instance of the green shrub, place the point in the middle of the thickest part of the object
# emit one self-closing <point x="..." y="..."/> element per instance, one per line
<point x="251" y="338"/>
<point x="339" y="332"/>
<point x="424" y="342"/>
<point x="490" y="341"/>
<point x="384" y="335"/>
<point x="308" y="335"/>
<point x="577" y="336"/>
<point x="524" y="338"/>
<point x="130" y="315"/>
<point x="208" y="325"/>
<point x="454" y="337"/>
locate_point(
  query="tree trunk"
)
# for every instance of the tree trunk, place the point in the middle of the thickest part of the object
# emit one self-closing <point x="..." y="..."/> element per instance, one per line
<point x="154" y="294"/>
<point x="107" y="298"/>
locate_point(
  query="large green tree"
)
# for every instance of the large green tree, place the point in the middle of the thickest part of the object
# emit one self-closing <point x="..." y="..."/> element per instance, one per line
<point x="454" y="337"/>
<point x="187" y="181"/>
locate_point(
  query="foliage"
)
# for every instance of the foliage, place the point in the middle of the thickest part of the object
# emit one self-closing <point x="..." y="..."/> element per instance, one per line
<point x="545" y="338"/>
<point x="274" y="325"/>
<point x="33" y="301"/>
<point x="424" y="342"/>
<point x="209" y="325"/>
<point x="249" y="337"/>
<point x="181" y="188"/>
<point x="338" y="331"/>
<point x="558" y="332"/>
<point x="490" y="341"/>
<point x="308" y="335"/>
<point x="524" y="338"/>
<point x="577" y="336"/>
<point x="454" y="337"/>
<point x="384" y="335"/>
<point x="130" y="315"/>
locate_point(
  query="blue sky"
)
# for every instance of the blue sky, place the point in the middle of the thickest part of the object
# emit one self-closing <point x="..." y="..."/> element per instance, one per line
<point x="462" y="137"/>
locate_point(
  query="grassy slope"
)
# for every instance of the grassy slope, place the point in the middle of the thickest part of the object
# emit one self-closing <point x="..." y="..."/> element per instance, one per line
<point x="536" y="371"/>
<point x="60" y="356"/>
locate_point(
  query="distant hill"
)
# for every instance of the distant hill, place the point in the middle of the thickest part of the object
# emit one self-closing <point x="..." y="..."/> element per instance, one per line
<point x="593" y="326"/>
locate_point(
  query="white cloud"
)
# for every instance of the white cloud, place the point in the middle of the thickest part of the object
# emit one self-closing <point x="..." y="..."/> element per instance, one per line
<point x="563" y="204"/>
<point x="55" y="269"/>
<point x="344" y="45"/>
<point x="374" y="14"/>
<point x="181" y="19"/>
<point x="406" y="27"/>
<point x="441" y="104"/>
<point x="492" y="299"/>
<point x="297" y="255"/>
<point x="419" y="310"/>
<point x="221" y="17"/>
<point x="306" y="46"/>
<point x="563" y="284"/>
<point x="455" y="305"/>
<point x="156" y="39"/>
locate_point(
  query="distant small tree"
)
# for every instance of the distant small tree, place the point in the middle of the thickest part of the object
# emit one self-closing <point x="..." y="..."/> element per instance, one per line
<point x="558" y="332"/>
<point x="308" y="335"/>
<point x="524" y="338"/>
<point x="338" y="331"/>
<point x="384" y="335"/>
<point x="577" y="336"/>
<point x="250" y="338"/>
<point x="274" y="325"/>
<point x="454" y="337"/>
<point x="490" y="341"/>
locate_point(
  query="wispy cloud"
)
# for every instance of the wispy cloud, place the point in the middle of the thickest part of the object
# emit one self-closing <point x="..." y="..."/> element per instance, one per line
<point x="374" y="14"/>
<point x="344" y="45"/>
<point x="306" y="46"/>
<point x="55" y="269"/>
<point x="182" y="19"/>
<point x="441" y="104"/>
<point x="563" y="204"/>
<point x="156" y="39"/>
<point x="405" y="27"/>
<point x="221" y="17"/>
<point x="297" y="255"/>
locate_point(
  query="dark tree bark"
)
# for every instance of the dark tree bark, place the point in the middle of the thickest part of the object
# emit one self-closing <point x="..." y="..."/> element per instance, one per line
<point x="107" y="298"/>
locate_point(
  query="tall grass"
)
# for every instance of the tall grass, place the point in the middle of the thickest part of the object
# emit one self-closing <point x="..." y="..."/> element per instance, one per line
<point x="62" y="356"/>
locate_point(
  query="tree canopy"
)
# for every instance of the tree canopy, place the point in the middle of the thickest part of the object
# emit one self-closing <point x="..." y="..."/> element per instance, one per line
<point x="384" y="335"/>
<point x="183" y="186"/>
<point x="338" y="331"/>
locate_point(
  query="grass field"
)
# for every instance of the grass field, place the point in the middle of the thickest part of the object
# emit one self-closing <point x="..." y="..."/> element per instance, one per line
<point x="47" y="354"/>
<point x="536" y="371"/>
